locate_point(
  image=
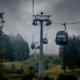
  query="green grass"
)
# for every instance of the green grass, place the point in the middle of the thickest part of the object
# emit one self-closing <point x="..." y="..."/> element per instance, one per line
<point x="53" y="71"/>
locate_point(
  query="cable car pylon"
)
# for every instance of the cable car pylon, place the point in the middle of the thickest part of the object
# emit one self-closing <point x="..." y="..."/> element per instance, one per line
<point x="48" y="23"/>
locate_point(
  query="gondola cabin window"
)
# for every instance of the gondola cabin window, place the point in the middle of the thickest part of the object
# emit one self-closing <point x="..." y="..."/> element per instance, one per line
<point x="61" y="36"/>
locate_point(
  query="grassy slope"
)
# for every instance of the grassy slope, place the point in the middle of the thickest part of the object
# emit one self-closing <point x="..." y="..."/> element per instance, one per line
<point x="53" y="71"/>
<point x="17" y="65"/>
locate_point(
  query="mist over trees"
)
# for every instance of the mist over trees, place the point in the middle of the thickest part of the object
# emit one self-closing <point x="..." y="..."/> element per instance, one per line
<point x="70" y="54"/>
<point x="16" y="48"/>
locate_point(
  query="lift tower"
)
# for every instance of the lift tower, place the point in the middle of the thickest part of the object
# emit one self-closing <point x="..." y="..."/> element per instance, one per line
<point x="41" y="18"/>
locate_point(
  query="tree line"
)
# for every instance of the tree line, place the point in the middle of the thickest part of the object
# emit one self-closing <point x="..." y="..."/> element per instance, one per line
<point x="70" y="54"/>
<point x="13" y="48"/>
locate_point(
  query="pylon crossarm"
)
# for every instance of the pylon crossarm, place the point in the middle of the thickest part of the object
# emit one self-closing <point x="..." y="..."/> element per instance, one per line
<point x="41" y="20"/>
<point x="42" y="15"/>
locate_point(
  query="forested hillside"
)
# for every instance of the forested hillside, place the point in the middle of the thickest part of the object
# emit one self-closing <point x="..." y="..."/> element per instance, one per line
<point x="15" y="48"/>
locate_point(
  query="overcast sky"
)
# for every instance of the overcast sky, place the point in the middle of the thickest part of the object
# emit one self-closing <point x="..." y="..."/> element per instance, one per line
<point x="18" y="17"/>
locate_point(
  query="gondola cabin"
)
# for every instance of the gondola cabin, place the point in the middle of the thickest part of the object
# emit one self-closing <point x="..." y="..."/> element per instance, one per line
<point x="32" y="46"/>
<point x="38" y="47"/>
<point x="62" y="38"/>
<point x="45" y="41"/>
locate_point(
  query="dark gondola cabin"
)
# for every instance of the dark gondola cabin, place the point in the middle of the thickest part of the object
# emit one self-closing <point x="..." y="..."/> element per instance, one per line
<point x="45" y="41"/>
<point x="38" y="47"/>
<point x="32" y="46"/>
<point x="62" y="38"/>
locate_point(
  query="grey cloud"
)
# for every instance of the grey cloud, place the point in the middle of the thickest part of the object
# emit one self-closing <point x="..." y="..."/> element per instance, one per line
<point x="18" y="17"/>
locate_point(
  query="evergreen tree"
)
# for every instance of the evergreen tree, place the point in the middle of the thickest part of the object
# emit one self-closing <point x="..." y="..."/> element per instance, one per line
<point x="70" y="54"/>
<point x="15" y="49"/>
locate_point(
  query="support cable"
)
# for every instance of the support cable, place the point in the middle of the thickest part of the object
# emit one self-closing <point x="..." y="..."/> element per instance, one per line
<point x="66" y="23"/>
<point x="33" y="7"/>
<point x="46" y="32"/>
